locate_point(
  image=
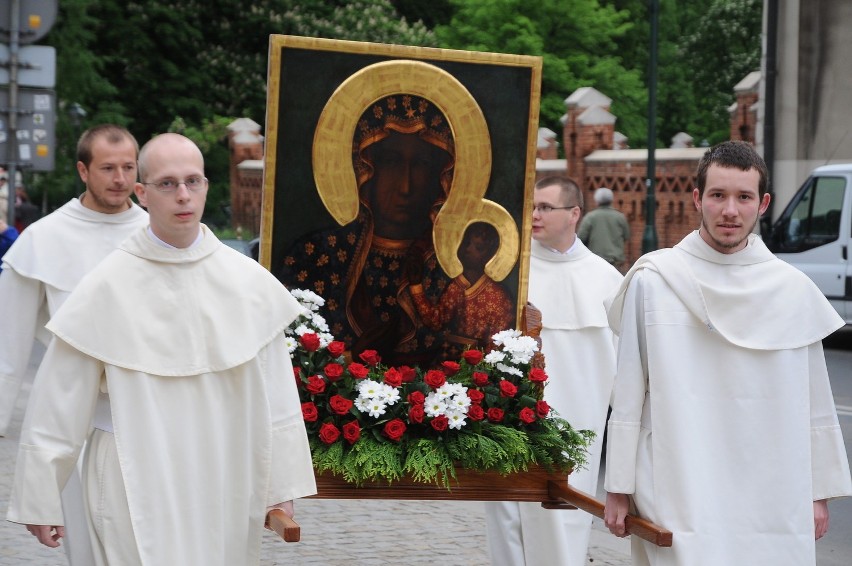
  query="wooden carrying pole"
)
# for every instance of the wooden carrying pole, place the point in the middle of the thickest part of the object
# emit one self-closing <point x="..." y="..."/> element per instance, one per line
<point x="286" y="527"/>
<point x="635" y="525"/>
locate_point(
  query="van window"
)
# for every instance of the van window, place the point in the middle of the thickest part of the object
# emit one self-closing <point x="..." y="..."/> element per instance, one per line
<point x="813" y="218"/>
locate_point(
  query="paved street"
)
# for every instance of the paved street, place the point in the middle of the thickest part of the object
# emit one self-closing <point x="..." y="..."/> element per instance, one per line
<point x="334" y="532"/>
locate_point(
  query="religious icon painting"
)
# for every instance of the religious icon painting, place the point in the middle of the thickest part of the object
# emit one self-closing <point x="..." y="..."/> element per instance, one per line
<point x="397" y="186"/>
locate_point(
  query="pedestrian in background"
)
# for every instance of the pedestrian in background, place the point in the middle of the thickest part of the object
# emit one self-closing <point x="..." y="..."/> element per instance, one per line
<point x="46" y="263"/>
<point x="8" y="235"/>
<point x="605" y="230"/>
<point x="568" y="284"/>
<point x="723" y="425"/>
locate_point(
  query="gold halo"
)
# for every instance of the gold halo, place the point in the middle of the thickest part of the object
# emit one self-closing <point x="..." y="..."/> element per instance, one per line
<point x="335" y="177"/>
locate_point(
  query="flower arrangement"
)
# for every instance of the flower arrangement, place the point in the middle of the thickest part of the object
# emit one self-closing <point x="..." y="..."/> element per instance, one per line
<point x="369" y="422"/>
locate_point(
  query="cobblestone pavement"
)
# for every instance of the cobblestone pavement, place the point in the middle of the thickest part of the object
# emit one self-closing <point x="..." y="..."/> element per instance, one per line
<point x="334" y="532"/>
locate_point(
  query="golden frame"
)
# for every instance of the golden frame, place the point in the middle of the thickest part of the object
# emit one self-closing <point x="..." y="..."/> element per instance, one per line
<point x="345" y="77"/>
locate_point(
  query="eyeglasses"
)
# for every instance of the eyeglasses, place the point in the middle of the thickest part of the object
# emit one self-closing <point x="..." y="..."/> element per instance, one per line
<point x="171" y="185"/>
<point x="546" y="208"/>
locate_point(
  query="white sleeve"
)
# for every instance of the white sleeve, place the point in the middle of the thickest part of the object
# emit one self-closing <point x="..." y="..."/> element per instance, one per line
<point x="57" y="423"/>
<point x="21" y="299"/>
<point x="829" y="463"/>
<point x="292" y="468"/>
<point x="628" y="395"/>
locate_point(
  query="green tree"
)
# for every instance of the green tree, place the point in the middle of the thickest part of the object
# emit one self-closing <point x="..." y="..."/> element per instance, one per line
<point x="577" y="41"/>
<point x="719" y="52"/>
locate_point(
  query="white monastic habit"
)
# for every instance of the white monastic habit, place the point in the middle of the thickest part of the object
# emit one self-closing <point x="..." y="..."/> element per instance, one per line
<point x="579" y="352"/>
<point x="41" y="269"/>
<point x="723" y="427"/>
<point x="176" y="357"/>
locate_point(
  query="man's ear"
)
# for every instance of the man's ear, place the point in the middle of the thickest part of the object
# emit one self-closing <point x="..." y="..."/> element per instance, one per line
<point x="141" y="194"/>
<point x="696" y="199"/>
<point x="764" y="203"/>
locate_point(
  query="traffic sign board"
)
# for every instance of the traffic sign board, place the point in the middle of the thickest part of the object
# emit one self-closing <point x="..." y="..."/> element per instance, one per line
<point x="36" y="131"/>
<point x="36" y="19"/>
<point x="36" y="66"/>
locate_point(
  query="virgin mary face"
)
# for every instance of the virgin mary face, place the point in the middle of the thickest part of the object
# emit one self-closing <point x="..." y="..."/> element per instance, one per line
<point x="405" y="184"/>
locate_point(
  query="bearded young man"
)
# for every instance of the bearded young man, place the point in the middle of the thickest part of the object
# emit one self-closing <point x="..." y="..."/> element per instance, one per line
<point x="723" y="427"/>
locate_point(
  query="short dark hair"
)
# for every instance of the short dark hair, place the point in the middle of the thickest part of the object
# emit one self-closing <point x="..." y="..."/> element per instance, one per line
<point x="732" y="154"/>
<point x="569" y="188"/>
<point x="113" y="134"/>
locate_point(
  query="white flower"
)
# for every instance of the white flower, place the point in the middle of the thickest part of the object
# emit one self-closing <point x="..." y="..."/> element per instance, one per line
<point x="388" y="394"/>
<point x="456" y="419"/>
<point x="459" y="402"/>
<point x="445" y="391"/>
<point x="376" y="408"/>
<point x="434" y="405"/>
<point x="325" y="339"/>
<point x="500" y="338"/>
<point x="307" y="298"/>
<point x="494" y="356"/>
<point x="319" y="322"/>
<point x="362" y="404"/>
<point x="509" y="369"/>
<point x="369" y="389"/>
<point x="302" y="329"/>
<point x="291" y="343"/>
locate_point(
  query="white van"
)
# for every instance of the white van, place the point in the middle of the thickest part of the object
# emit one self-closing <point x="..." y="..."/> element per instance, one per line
<point x="813" y="233"/>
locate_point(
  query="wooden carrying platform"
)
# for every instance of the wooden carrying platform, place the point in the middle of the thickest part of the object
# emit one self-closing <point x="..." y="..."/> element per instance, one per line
<point x="535" y="485"/>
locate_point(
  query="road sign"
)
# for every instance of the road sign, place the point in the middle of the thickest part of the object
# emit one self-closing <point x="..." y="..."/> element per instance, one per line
<point x="36" y="19"/>
<point x="36" y="130"/>
<point x="36" y="66"/>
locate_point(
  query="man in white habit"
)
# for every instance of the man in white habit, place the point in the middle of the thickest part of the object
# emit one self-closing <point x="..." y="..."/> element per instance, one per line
<point x="169" y="356"/>
<point x="724" y="428"/>
<point x="45" y="264"/>
<point x="568" y="284"/>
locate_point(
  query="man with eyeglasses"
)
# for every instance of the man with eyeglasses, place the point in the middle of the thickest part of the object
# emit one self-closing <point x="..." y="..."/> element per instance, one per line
<point x="568" y="284"/>
<point x="169" y="357"/>
<point x="46" y="263"/>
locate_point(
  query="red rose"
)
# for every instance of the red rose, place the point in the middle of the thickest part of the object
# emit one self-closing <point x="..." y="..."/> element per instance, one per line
<point x="542" y="409"/>
<point x="310" y="341"/>
<point x="357" y="370"/>
<point x="370" y="357"/>
<point x="336" y="348"/>
<point x="333" y="371"/>
<point x="450" y="368"/>
<point x="309" y="412"/>
<point x="527" y="415"/>
<point x="315" y="385"/>
<point x="408" y="374"/>
<point x="394" y="429"/>
<point x="476" y="396"/>
<point x="440" y="423"/>
<point x="339" y="404"/>
<point x="435" y="378"/>
<point x="495" y="415"/>
<point x="475" y="413"/>
<point x="296" y="370"/>
<point x="416" y="413"/>
<point x="393" y="377"/>
<point x="537" y="375"/>
<point x="416" y="398"/>
<point x="480" y="378"/>
<point x="472" y="357"/>
<point x="352" y="431"/>
<point x="329" y="433"/>
<point x="507" y="389"/>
